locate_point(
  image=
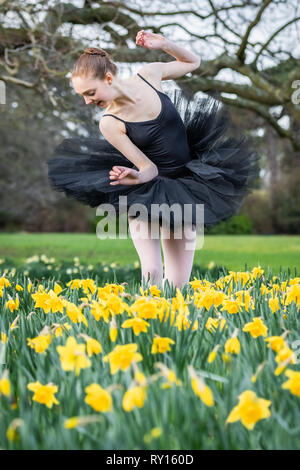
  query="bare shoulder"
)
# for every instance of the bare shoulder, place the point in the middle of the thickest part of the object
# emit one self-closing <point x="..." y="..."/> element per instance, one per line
<point x="109" y="125"/>
<point x="153" y="69"/>
<point x="153" y="73"/>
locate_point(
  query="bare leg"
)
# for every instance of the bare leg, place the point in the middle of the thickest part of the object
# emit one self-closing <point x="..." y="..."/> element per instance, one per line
<point x="149" y="251"/>
<point x="177" y="258"/>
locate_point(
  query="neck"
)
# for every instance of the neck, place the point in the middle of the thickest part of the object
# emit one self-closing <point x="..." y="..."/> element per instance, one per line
<point x="125" y="94"/>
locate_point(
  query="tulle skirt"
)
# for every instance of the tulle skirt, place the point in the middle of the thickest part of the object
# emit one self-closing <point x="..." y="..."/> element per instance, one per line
<point x="208" y="189"/>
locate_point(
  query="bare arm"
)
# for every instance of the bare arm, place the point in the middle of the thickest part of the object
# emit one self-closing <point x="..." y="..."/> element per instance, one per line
<point x="186" y="61"/>
<point x="115" y="133"/>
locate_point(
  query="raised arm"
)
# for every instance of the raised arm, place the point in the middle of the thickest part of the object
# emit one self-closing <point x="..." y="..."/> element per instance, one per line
<point x="114" y="132"/>
<point x="186" y="61"/>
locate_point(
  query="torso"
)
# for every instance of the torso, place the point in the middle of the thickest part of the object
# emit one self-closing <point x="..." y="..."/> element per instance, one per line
<point x="147" y="104"/>
<point x="155" y="126"/>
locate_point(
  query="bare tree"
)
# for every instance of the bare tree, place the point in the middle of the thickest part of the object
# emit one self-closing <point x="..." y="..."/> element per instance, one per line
<point x="40" y="40"/>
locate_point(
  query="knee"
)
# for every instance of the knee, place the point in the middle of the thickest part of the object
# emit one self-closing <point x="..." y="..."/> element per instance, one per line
<point x="177" y="279"/>
<point x="153" y="271"/>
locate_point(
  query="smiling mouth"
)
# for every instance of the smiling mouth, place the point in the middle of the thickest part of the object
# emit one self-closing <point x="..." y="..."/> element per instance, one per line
<point x="101" y="104"/>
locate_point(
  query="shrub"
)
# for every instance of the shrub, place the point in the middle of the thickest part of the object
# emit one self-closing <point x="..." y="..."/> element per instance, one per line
<point x="239" y="224"/>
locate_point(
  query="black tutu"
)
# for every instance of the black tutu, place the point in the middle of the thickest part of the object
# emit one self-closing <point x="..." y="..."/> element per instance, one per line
<point x="220" y="173"/>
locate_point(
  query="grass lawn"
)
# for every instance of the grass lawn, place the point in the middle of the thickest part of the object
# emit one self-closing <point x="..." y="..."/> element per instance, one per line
<point x="231" y="251"/>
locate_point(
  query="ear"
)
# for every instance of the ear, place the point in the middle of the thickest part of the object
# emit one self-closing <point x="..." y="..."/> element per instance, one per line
<point x="108" y="77"/>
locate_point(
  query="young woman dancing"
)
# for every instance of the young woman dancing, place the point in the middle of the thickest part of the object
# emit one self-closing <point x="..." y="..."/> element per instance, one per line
<point x="156" y="151"/>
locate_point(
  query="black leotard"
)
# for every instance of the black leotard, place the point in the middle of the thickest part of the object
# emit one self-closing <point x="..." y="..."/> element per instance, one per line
<point x="163" y="139"/>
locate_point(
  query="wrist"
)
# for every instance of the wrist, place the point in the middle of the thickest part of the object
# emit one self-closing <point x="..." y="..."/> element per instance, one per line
<point x="147" y="174"/>
<point x="167" y="44"/>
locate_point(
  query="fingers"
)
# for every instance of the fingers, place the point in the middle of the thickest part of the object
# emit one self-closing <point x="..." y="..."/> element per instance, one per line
<point x="115" y="172"/>
<point x="118" y="172"/>
<point x="117" y="169"/>
<point x="140" y="37"/>
<point x="124" y="173"/>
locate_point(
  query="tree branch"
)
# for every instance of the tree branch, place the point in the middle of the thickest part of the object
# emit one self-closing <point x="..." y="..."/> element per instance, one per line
<point x="254" y="63"/>
<point x="241" y="52"/>
<point x="262" y="111"/>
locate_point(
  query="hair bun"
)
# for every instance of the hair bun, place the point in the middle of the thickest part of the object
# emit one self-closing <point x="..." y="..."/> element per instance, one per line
<point x="95" y="51"/>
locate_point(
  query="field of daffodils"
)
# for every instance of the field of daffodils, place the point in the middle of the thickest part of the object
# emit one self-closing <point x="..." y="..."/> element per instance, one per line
<point x="91" y="365"/>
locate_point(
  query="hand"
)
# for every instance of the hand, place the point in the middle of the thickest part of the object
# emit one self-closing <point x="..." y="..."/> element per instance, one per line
<point x="150" y="40"/>
<point x="124" y="175"/>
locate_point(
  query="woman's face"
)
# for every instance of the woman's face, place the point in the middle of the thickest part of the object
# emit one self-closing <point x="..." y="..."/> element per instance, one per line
<point x="94" y="90"/>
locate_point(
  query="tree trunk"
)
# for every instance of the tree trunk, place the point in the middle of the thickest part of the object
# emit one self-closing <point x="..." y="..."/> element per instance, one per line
<point x="273" y="157"/>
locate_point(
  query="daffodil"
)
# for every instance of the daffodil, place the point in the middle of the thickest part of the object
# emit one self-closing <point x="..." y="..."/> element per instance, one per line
<point x="122" y="357"/>
<point x="169" y="375"/>
<point x="139" y="377"/>
<point x="293" y="384"/>
<point x="98" y="398"/>
<point x="156" y="432"/>
<point x="231" y="306"/>
<point x="92" y="345"/>
<point x="72" y="356"/>
<point x="274" y="304"/>
<point x="5" y="384"/>
<point x="44" y="394"/>
<point x="76" y="421"/>
<point x="200" y="388"/>
<point x="74" y="312"/>
<point x="59" y="329"/>
<point x="134" y="397"/>
<point x="250" y="409"/>
<point x="212" y="356"/>
<point x="12" y="304"/>
<point x="161" y="345"/>
<point x="293" y="294"/>
<point x="257" y="271"/>
<point x="113" y="330"/>
<point x="232" y="346"/>
<point x="4" y="338"/>
<point x="275" y="342"/>
<point x="284" y="357"/>
<point x="226" y="357"/>
<point x="155" y="291"/>
<point x="256" y="328"/>
<point x="137" y="324"/>
<point x="40" y="343"/>
<point x="12" y="430"/>
<point x="202" y="391"/>
<point x="88" y="286"/>
<point x="213" y="323"/>
<point x="145" y="308"/>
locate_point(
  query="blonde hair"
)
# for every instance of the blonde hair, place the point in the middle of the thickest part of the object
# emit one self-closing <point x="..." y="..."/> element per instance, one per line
<point x="94" y="62"/>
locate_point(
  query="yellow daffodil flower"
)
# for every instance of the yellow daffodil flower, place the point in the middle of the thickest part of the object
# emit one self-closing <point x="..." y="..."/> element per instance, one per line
<point x="161" y="345"/>
<point x="122" y="357"/>
<point x="72" y="356"/>
<point x="250" y="409"/>
<point x="98" y="398"/>
<point x="44" y="394"/>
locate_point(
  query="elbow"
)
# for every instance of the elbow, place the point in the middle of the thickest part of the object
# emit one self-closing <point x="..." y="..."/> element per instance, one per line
<point x="147" y="173"/>
<point x="151" y="168"/>
<point x="197" y="63"/>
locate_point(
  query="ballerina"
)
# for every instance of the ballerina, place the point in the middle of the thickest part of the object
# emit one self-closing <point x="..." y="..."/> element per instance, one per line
<point x="159" y="155"/>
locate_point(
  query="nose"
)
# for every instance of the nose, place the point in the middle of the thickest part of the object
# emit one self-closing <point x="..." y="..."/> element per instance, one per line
<point x="88" y="100"/>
